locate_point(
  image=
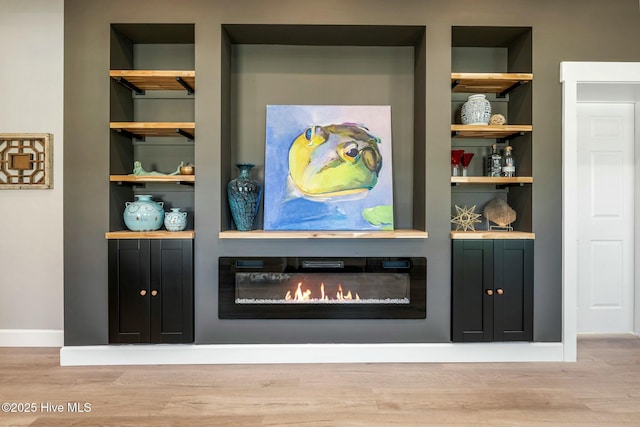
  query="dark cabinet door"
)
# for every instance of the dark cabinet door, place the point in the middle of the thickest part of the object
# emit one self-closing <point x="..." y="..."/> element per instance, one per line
<point x="513" y="290"/>
<point x="151" y="291"/>
<point x="472" y="286"/>
<point x="129" y="286"/>
<point x="492" y="290"/>
<point x="171" y="291"/>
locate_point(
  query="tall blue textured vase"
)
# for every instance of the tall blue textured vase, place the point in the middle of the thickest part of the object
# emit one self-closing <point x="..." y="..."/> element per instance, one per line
<point x="244" y="197"/>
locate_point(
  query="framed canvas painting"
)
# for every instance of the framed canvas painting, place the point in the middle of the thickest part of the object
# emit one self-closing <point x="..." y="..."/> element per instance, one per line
<point x="328" y="168"/>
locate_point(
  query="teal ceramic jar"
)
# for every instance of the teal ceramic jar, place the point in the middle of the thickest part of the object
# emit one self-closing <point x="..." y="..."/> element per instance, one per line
<point x="175" y="220"/>
<point x="144" y="214"/>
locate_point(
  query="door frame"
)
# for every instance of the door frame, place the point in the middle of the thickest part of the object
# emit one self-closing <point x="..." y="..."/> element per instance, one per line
<point x="576" y="78"/>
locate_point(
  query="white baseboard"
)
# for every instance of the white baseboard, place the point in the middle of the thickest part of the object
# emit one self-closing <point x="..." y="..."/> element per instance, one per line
<point x="211" y="354"/>
<point x="31" y="338"/>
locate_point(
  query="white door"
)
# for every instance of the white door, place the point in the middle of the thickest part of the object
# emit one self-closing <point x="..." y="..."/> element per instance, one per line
<point x="605" y="217"/>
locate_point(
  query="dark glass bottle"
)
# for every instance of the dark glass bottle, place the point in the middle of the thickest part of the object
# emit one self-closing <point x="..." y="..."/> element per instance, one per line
<point x="495" y="165"/>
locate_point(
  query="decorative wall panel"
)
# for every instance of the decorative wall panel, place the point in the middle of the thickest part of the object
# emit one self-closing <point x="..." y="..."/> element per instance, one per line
<point x="25" y="161"/>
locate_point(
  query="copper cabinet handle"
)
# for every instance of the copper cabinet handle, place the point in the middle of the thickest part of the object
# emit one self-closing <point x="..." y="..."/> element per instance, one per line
<point x="489" y="292"/>
<point x="143" y="292"/>
<point x="499" y="291"/>
<point x="154" y="293"/>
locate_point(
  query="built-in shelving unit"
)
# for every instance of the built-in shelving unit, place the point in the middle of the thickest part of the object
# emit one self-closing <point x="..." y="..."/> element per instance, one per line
<point x="152" y="126"/>
<point x="492" y="266"/>
<point x="261" y="234"/>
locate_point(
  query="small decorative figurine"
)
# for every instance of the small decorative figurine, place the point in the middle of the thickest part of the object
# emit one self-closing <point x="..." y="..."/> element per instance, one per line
<point x="499" y="212"/>
<point x="497" y="119"/>
<point x="188" y="169"/>
<point x="138" y="170"/>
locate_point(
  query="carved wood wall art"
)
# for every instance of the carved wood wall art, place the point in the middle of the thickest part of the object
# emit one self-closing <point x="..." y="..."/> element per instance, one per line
<point x="26" y="161"/>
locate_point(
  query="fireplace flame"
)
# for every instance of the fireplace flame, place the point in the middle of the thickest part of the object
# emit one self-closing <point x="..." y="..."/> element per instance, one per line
<point x="305" y="295"/>
<point x="301" y="295"/>
<point x="341" y="296"/>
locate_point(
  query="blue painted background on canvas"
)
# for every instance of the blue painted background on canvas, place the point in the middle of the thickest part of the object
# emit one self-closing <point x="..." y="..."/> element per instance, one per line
<point x="286" y="208"/>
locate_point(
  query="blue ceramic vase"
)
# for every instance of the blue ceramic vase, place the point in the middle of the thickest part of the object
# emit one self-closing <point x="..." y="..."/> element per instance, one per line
<point x="175" y="220"/>
<point x="244" y="197"/>
<point x="144" y="214"/>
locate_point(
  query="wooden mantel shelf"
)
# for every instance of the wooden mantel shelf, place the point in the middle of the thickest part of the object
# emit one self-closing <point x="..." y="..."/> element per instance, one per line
<point x="500" y="83"/>
<point x="156" y="79"/>
<point x="261" y="234"/>
<point x="159" y="234"/>
<point x="497" y="235"/>
<point x="488" y="131"/>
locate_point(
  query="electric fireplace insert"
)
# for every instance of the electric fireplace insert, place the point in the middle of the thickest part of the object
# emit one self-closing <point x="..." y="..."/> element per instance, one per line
<point x="322" y="288"/>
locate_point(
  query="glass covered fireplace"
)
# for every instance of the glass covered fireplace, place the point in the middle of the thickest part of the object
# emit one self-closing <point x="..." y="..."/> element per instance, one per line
<point x="322" y="288"/>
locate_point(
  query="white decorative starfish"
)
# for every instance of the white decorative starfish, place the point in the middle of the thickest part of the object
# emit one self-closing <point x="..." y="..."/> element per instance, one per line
<point x="465" y="218"/>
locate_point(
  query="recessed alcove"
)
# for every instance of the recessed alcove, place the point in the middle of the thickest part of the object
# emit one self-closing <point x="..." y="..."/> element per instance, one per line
<point x="325" y="65"/>
<point x="157" y="47"/>
<point x="476" y="49"/>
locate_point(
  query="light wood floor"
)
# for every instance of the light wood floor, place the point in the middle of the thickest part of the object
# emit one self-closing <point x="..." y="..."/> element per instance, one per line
<point x="601" y="389"/>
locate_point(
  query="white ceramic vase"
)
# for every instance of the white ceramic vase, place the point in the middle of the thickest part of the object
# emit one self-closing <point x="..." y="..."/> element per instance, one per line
<point x="476" y="111"/>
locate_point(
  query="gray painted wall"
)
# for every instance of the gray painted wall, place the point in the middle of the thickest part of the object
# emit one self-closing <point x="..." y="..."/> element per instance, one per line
<point x="569" y="30"/>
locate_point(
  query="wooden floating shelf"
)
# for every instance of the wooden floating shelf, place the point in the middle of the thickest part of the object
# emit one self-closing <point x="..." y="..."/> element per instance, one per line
<point x="143" y="129"/>
<point x="498" y="180"/>
<point x="500" y="83"/>
<point x="261" y="234"/>
<point x="152" y="178"/>
<point x="156" y="79"/>
<point x="498" y="235"/>
<point x="159" y="234"/>
<point x="488" y="131"/>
